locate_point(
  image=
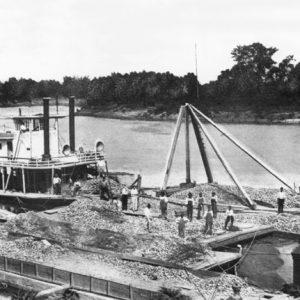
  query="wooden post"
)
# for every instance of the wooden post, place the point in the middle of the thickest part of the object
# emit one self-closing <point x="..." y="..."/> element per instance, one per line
<point x="187" y="147"/>
<point x="110" y="192"/>
<point x="139" y="185"/>
<point x="202" y="150"/>
<point x="23" y="181"/>
<point x="172" y="149"/>
<point x="224" y="162"/>
<point x="72" y="123"/>
<point x="3" y="179"/>
<point x="243" y="148"/>
<point x="52" y="176"/>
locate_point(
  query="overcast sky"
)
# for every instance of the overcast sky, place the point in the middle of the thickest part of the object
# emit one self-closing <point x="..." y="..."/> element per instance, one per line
<point x="48" y="39"/>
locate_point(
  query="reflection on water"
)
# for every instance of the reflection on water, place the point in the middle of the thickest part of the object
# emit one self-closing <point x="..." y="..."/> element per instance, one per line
<point x="142" y="147"/>
<point x="269" y="263"/>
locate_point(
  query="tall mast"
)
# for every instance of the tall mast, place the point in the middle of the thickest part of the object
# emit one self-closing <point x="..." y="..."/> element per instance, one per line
<point x="196" y="65"/>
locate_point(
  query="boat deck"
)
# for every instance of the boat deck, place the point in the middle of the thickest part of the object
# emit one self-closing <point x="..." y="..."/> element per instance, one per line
<point x="246" y="233"/>
<point x="33" y="196"/>
<point x="217" y="258"/>
<point x="56" y="162"/>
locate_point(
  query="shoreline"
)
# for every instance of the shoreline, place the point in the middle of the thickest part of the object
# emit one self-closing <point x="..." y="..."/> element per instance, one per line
<point x="221" y="117"/>
<point x="280" y="117"/>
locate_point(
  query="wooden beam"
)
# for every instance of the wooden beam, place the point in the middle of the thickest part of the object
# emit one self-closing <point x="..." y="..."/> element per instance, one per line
<point x="3" y="179"/>
<point x="172" y="149"/>
<point x="52" y="292"/>
<point x="52" y="176"/>
<point x="202" y="150"/>
<point x="224" y="162"/>
<point x="110" y="190"/>
<point x="243" y="148"/>
<point x="23" y="181"/>
<point x="187" y="147"/>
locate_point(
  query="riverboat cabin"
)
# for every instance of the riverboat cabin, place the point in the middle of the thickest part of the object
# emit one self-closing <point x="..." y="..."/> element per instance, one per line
<point x="31" y="154"/>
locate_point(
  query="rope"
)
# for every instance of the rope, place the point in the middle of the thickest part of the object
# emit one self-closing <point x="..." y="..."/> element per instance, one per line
<point x="236" y="264"/>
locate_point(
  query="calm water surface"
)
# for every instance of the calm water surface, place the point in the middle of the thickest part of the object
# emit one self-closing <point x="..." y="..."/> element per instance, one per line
<point x="142" y="146"/>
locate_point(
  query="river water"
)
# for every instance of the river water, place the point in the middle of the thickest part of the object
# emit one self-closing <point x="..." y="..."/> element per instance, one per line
<point x="142" y="147"/>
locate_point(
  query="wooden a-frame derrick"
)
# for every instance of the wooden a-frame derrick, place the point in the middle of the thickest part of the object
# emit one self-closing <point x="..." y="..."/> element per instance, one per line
<point x="190" y="112"/>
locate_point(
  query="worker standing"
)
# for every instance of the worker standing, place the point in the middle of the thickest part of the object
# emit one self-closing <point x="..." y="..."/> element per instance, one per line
<point x="76" y="187"/>
<point x="200" y="206"/>
<point x="181" y="225"/>
<point x="209" y="221"/>
<point x="56" y="185"/>
<point x="124" y="197"/>
<point x="101" y="167"/>
<point x="134" y="198"/>
<point x="229" y="217"/>
<point x="280" y="200"/>
<point x="147" y="213"/>
<point x="103" y="189"/>
<point x="189" y="201"/>
<point x="163" y="205"/>
<point x="236" y="293"/>
<point x="214" y="201"/>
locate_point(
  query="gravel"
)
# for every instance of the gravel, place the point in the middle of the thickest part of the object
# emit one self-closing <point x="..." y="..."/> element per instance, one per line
<point x="30" y="250"/>
<point x="228" y="194"/>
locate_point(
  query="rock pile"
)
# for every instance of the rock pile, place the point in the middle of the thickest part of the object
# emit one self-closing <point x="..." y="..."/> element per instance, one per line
<point x="229" y="194"/>
<point x="31" y="250"/>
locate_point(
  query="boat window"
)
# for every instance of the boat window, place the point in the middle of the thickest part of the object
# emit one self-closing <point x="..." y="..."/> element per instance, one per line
<point x="41" y="124"/>
<point x="36" y="124"/>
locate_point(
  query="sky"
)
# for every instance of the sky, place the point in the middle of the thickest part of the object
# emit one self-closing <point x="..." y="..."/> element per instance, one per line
<point x="50" y="39"/>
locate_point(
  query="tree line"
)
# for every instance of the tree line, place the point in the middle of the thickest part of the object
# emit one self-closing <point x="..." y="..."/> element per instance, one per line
<point x="255" y="81"/>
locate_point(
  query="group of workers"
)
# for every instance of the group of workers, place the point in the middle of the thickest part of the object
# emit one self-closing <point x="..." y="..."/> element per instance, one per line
<point x="133" y="192"/>
<point x="75" y="186"/>
<point x="191" y="203"/>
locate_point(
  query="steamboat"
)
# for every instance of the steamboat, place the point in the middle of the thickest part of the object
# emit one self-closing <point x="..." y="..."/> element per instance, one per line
<point x="31" y="157"/>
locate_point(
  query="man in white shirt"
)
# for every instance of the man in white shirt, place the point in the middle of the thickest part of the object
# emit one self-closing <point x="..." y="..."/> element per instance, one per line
<point x="101" y="167"/>
<point x="56" y="185"/>
<point x="147" y="213"/>
<point x="134" y="198"/>
<point x="229" y="217"/>
<point x="23" y="128"/>
<point x="280" y="200"/>
<point x="76" y="187"/>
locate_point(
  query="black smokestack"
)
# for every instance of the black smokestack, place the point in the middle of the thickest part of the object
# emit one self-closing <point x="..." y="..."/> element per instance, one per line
<point x="46" y="155"/>
<point x="72" y="123"/>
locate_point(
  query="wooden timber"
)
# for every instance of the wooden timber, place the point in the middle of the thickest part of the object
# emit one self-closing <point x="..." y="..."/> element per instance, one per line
<point x="202" y="150"/>
<point x="217" y="258"/>
<point x="35" y="196"/>
<point x="224" y="162"/>
<point x="221" y="207"/>
<point x="187" y="147"/>
<point x="231" y="238"/>
<point x="172" y="148"/>
<point x="244" y="149"/>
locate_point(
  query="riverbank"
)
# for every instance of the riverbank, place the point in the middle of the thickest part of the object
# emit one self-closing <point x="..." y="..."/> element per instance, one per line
<point x="238" y="116"/>
<point x="230" y="117"/>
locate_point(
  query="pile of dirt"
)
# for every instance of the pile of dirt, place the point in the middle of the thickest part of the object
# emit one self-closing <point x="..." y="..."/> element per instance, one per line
<point x="29" y="249"/>
<point x="92" y="186"/>
<point x="228" y="194"/>
<point x="179" y="278"/>
<point x="71" y="234"/>
<point x="282" y="222"/>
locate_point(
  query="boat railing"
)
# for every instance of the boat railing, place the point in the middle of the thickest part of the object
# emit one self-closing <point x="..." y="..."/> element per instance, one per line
<point x="76" y="158"/>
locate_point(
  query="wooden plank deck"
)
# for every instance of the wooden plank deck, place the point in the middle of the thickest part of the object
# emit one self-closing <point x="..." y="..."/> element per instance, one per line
<point x="33" y="196"/>
<point x="218" y="258"/>
<point x="239" y="236"/>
